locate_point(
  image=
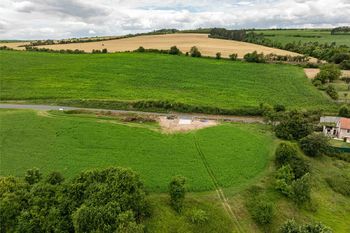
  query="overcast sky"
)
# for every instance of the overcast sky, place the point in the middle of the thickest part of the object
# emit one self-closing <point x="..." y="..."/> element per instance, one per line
<point x="55" y="19"/>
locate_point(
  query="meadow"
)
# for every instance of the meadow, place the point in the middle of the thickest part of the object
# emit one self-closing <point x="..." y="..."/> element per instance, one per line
<point x="237" y="153"/>
<point x="305" y="35"/>
<point x="36" y="76"/>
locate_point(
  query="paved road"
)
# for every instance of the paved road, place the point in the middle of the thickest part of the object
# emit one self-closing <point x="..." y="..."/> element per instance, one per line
<point x="201" y="116"/>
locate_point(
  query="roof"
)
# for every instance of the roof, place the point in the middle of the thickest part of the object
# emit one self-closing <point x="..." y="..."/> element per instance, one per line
<point x="329" y="119"/>
<point x="344" y="123"/>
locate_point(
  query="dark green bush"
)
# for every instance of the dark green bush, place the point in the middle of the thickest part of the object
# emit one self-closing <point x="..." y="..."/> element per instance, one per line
<point x="254" y="57"/>
<point x="55" y="178"/>
<point x="330" y="90"/>
<point x="285" y="153"/>
<point x="344" y="111"/>
<point x="33" y="176"/>
<point x="177" y="192"/>
<point x="233" y="56"/>
<point x="218" y="55"/>
<point x="194" y="52"/>
<point x="290" y="226"/>
<point x="174" y="51"/>
<point x="315" y="144"/>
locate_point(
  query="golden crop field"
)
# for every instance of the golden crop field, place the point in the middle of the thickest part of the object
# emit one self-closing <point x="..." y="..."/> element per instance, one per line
<point x="184" y="41"/>
<point x="15" y="45"/>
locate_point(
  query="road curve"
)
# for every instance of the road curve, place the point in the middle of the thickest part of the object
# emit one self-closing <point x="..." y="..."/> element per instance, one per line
<point x="243" y="119"/>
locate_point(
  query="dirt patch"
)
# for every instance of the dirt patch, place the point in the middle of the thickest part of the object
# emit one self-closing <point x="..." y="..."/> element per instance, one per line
<point x="184" y="41"/>
<point x="312" y="72"/>
<point x="172" y="125"/>
<point x="15" y="45"/>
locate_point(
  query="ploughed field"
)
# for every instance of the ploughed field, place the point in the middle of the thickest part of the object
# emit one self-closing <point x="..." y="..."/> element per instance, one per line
<point x="70" y="143"/>
<point x="145" y="76"/>
<point x="184" y="41"/>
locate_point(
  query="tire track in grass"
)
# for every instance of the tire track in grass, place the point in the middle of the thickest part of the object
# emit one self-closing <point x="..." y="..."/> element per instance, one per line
<point x="218" y="189"/>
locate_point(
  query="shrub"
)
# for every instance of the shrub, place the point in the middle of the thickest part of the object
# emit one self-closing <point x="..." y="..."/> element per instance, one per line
<point x="195" y="52"/>
<point x="33" y="176"/>
<point x="218" y="55"/>
<point x="330" y="90"/>
<point x="284" y="179"/>
<point x="55" y="178"/>
<point x="345" y="65"/>
<point x="290" y="226"/>
<point x="328" y="72"/>
<point x="140" y="49"/>
<point x="197" y="216"/>
<point x="174" y="51"/>
<point x="254" y="57"/>
<point x="340" y="57"/>
<point x="262" y="212"/>
<point x="104" y="50"/>
<point x="293" y="126"/>
<point x="279" y="108"/>
<point x="301" y="190"/>
<point x="299" y="167"/>
<point x="177" y="192"/>
<point x="315" y="144"/>
<point x="340" y="183"/>
<point x="344" y="111"/>
<point x="233" y="56"/>
<point x="285" y="153"/>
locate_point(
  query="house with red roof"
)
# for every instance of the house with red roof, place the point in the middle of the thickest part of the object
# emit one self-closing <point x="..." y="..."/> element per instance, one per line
<point x="336" y="127"/>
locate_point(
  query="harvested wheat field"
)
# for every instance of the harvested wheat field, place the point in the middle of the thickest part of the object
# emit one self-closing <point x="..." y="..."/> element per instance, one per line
<point x="312" y="72"/>
<point x="184" y="41"/>
<point x="15" y="45"/>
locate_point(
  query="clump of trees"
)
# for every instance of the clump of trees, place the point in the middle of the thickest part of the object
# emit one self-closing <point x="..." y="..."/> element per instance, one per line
<point x="293" y="125"/>
<point x="36" y="49"/>
<point x="99" y="200"/>
<point x="194" y="52"/>
<point x="177" y="191"/>
<point x="174" y="51"/>
<point x="328" y="73"/>
<point x="315" y="144"/>
<point x="218" y="55"/>
<point x="233" y="56"/>
<point x="344" y="111"/>
<point x="254" y="57"/>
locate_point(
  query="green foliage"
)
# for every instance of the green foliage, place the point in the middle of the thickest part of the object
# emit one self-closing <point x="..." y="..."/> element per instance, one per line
<point x="262" y="212"/>
<point x="340" y="57"/>
<point x="140" y="49"/>
<point x="55" y="178"/>
<point x="345" y="65"/>
<point x="233" y="56"/>
<point x="218" y="55"/>
<point x="194" y="52"/>
<point x="197" y="216"/>
<point x="301" y="190"/>
<point x="290" y="226"/>
<point x="328" y="73"/>
<point x="293" y="126"/>
<point x="330" y="90"/>
<point x="344" y="111"/>
<point x="315" y="144"/>
<point x="340" y="183"/>
<point x="33" y="176"/>
<point x="279" y="108"/>
<point x="254" y="57"/>
<point x="107" y="200"/>
<point x="177" y="192"/>
<point x="284" y="179"/>
<point x="123" y="73"/>
<point x="174" y="51"/>
<point x="285" y="153"/>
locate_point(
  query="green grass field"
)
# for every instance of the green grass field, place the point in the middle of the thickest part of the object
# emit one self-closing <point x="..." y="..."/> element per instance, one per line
<point x="306" y="35"/>
<point x="237" y="153"/>
<point x="136" y="76"/>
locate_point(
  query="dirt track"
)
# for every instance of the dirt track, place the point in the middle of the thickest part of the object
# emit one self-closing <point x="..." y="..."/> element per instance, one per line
<point x="184" y="41"/>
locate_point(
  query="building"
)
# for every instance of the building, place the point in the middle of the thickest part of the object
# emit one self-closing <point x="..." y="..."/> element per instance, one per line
<point x="336" y="127"/>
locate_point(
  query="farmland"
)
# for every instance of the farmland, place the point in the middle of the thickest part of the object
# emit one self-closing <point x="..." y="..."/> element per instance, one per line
<point x="305" y="35"/>
<point x="68" y="143"/>
<point x="134" y="76"/>
<point x="184" y="41"/>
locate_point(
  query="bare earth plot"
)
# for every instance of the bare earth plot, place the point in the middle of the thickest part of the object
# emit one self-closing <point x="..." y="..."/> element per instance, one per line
<point x="312" y="72"/>
<point x="184" y="41"/>
<point x="15" y="45"/>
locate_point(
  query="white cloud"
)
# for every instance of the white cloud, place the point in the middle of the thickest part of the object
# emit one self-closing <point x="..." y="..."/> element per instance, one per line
<point x="42" y="19"/>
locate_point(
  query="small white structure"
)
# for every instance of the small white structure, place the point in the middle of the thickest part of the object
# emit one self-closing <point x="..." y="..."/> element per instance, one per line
<point x="185" y="121"/>
<point x="336" y="127"/>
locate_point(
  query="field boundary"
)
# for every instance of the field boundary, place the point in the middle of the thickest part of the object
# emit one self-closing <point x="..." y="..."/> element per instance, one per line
<point x="218" y="189"/>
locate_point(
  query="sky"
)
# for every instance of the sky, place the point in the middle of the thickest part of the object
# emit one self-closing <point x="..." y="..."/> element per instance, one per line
<point x="58" y="19"/>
